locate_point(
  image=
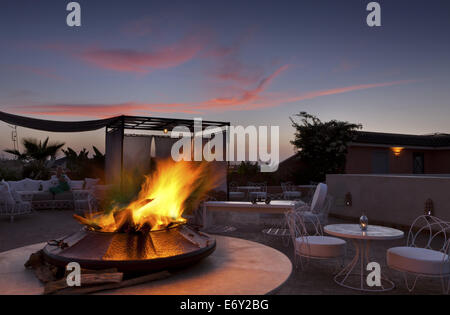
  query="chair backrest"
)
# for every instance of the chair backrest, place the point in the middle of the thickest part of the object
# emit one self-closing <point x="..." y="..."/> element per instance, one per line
<point x="298" y="228"/>
<point x="287" y="186"/>
<point x="319" y="197"/>
<point x="262" y="185"/>
<point x="429" y="232"/>
<point x="233" y="186"/>
<point x="5" y="194"/>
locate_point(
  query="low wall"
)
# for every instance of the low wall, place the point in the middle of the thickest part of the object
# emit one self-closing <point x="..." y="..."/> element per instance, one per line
<point x="394" y="200"/>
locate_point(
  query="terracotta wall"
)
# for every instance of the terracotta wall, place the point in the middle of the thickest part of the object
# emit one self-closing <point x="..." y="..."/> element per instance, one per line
<point x="359" y="160"/>
<point x="390" y="199"/>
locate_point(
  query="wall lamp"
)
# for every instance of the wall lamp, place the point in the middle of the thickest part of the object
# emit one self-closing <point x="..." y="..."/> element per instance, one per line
<point x="429" y="207"/>
<point x="397" y="151"/>
<point x="348" y="199"/>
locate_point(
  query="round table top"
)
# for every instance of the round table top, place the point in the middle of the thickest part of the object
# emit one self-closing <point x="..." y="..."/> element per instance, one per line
<point x="236" y="267"/>
<point x="373" y="232"/>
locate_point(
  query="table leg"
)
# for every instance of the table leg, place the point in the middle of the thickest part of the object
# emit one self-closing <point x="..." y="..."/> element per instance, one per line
<point x="361" y="258"/>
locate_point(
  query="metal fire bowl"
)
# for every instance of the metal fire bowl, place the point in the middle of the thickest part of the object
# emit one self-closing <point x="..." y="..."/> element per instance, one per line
<point x="166" y="249"/>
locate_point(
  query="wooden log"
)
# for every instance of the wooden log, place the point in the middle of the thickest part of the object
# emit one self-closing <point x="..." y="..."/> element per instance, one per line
<point x="43" y="270"/>
<point x="111" y="286"/>
<point x="86" y="280"/>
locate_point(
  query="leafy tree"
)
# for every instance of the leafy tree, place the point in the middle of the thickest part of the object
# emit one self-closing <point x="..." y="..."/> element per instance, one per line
<point x="322" y="146"/>
<point x="248" y="168"/>
<point x="81" y="166"/>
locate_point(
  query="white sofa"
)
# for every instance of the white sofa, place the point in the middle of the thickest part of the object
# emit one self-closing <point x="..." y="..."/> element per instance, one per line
<point x="37" y="192"/>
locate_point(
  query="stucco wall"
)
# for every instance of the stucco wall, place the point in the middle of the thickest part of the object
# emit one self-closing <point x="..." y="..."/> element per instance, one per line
<point x="359" y="160"/>
<point x="394" y="199"/>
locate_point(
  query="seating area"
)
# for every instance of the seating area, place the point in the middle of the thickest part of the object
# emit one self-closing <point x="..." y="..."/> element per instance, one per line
<point x="27" y="195"/>
<point x="320" y="247"/>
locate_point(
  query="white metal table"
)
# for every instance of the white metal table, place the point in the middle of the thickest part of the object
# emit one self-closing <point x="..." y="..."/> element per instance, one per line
<point x="361" y="240"/>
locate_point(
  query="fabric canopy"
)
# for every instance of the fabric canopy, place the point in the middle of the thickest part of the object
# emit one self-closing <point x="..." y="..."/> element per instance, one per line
<point x="55" y="126"/>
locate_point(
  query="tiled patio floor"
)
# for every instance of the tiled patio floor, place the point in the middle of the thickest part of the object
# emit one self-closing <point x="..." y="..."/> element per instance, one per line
<point x="316" y="278"/>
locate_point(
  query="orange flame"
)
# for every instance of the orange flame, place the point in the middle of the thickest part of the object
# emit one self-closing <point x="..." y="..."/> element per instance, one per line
<point x="163" y="198"/>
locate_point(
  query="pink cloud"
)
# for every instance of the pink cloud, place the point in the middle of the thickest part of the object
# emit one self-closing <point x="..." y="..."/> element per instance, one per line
<point x="47" y="73"/>
<point x="247" y="100"/>
<point x="103" y="110"/>
<point x="139" y="27"/>
<point x="128" y="60"/>
<point x="246" y="96"/>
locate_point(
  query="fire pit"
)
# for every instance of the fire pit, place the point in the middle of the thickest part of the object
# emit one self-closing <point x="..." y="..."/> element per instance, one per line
<point x="149" y="251"/>
<point x="148" y="234"/>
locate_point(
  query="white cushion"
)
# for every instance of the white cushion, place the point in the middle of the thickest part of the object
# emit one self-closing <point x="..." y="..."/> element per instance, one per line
<point x="17" y="185"/>
<point x="26" y="185"/>
<point x="417" y="260"/>
<point x="90" y="183"/>
<point x="76" y="184"/>
<point x="320" y="246"/>
<point x="47" y="184"/>
<point x="319" y="197"/>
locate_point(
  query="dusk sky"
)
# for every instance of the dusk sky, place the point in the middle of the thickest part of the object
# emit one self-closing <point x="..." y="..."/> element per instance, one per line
<point x="249" y="62"/>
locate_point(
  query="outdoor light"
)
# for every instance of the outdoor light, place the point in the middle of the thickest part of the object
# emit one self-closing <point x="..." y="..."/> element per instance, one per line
<point x="363" y="222"/>
<point x="165" y="130"/>
<point x="397" y="150"/>
<point x="429" y="207"/>
<point x="348" y="199"/>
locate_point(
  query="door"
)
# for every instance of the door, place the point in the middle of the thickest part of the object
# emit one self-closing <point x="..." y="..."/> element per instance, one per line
<point x="418" y="163"/>
<point x="380" y="162"/>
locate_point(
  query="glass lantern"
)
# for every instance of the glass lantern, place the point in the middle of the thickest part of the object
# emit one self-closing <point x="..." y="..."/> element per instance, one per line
<point x="363" y="222"/>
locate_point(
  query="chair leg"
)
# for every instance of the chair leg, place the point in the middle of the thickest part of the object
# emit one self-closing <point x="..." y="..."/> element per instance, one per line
<point x="445" y="286"/>
<point x="410" y="289"/>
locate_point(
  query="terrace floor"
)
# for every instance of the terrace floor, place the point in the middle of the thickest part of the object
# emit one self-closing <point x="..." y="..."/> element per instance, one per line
<point x="316" y="278"/>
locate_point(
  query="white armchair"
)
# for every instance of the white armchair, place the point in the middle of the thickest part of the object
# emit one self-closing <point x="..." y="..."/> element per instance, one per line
<point x="426" y="253"/>
<point x="313" y="244"/>
<point x="319" y="207"/>
<point x="259" y="193"/>
<point x="12" y="205"/>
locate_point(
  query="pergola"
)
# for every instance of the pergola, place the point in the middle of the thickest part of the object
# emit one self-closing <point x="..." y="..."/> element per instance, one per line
<point x="118" y="144"/>
<point x="125" y="153"/>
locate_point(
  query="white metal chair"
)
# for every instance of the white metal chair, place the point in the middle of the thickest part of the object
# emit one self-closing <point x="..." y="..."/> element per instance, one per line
<point x="289" y="191"/>
<point x="426" y="253"/>
<point x="234" y="193"/>
<point x="11" y="204"/>
<point x="260" y="193"/>
<point x="84" y="201"/>
<point x="313" y="245"/>
<point x="319" y="207"/>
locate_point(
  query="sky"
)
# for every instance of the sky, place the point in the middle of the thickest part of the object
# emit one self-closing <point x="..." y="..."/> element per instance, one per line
<point x="249" y="62"/>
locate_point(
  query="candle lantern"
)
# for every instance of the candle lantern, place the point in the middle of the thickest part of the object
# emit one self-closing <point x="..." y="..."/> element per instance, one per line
<point x="363" y="222"/>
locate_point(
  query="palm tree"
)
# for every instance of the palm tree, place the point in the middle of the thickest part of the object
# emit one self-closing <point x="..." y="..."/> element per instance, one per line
<point x="37" y="150"/>
<point x="35" y="157"/>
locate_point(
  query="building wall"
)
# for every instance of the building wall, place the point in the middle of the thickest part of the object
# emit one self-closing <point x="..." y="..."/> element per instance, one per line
<point x="390" y="199"/>
<point x="359" y="160"/>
